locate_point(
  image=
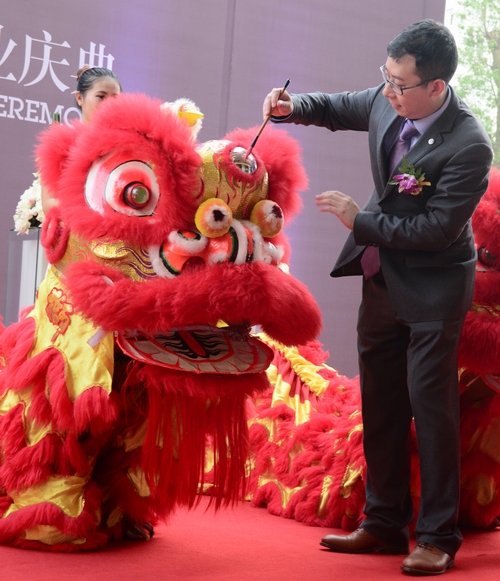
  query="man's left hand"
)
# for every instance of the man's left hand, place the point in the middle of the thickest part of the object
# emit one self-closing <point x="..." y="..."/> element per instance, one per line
<point x="344" y="207"/>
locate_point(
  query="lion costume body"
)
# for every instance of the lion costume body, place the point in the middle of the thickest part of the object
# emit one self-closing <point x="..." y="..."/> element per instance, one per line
<point x="306" y="430"/>
<point x="133" y="368"/>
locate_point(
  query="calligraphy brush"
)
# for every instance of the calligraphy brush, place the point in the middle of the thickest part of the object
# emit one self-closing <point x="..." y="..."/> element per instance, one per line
<point x="266" y="120"/>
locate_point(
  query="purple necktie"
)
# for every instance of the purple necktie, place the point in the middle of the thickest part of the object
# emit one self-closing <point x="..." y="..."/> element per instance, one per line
<point x="370" y="260"/>
<point x="403" y="143"/>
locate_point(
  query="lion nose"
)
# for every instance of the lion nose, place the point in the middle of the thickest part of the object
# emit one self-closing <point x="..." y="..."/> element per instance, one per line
<point x="189" y="250"/>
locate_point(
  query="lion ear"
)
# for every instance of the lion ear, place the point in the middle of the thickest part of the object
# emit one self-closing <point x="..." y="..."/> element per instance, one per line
<point x="52" y="153"/>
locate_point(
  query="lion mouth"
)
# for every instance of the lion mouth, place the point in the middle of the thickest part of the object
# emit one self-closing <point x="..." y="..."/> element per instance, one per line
<point x="200" y="349"/>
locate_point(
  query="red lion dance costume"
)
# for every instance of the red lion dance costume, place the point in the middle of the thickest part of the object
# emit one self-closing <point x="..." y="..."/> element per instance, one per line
<point x="132" y="370"/>
<point x="306" y="431"/>
<point x="479" y="360"/>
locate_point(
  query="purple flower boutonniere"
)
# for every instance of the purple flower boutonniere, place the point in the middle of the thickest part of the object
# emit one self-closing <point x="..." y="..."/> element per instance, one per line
<point x="410" y="180"/>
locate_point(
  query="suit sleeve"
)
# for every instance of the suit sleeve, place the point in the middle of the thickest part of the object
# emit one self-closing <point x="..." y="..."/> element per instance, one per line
<point x="337" y="112"/>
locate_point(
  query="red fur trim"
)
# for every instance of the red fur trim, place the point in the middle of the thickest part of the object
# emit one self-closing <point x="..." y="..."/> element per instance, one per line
<point x="52" y="153"/>
<point x="249" y="294"/>
<point x="486" y="289"/>
<point x="186" y="412"/>
<point x="111" y="475"/>
<point x="44" y="372"/>
<point x="282" y="242"/>
<point x="17" y="342"/>
<point x="41" y="410"/>
<point x="313" y="352"/>
<point x="12" y="430"/>
<point x="84" y="526"/>
<point x="303" y="456"/>
<point x="95" y="411"/>
<point x="57" y="392"/>
<point x="486" y="218"/>
<point x="26" y="466"/>
<point x="479" y="348"/>
<point x="74" y="458"/>
<point x="480" y="341"/>
<point x="480" y="472"/>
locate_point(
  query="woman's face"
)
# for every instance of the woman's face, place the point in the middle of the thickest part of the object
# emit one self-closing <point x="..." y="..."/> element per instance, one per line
<point x="100" y="90"/>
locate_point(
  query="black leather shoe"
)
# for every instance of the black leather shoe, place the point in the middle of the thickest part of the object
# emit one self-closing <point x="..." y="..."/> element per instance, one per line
<point x="361" y="541"/>
<point x="426" y="559"/>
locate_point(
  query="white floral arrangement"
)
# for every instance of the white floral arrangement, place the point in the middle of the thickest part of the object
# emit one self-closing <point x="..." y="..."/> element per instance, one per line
<point x="29" y="212"/>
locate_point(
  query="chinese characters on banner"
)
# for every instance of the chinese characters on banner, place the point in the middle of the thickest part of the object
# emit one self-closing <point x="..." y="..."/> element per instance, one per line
<point x="44" y="60"/>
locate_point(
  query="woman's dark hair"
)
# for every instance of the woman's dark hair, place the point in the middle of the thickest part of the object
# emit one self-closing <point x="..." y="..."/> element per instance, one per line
<point x="86" y="78"/>
<point x="433" y="47"/>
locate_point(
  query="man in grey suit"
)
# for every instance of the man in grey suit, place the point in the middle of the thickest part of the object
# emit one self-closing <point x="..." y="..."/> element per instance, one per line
<point x="413" y="243"/>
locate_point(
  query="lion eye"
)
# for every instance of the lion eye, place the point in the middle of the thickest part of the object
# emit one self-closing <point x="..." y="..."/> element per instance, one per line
<point x="136" y="195"/>
<point x="485" y="256"/>
<point x="124" y="184"/>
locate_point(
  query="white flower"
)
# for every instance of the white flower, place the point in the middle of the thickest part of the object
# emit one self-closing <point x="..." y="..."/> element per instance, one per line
<point x="29" y="212"/>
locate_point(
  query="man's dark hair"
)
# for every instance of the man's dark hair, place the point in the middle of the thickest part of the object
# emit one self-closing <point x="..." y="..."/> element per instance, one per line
<point x="432" y="45"/>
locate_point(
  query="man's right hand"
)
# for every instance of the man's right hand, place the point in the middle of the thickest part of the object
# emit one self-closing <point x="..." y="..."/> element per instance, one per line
<point x="281" y="108"/>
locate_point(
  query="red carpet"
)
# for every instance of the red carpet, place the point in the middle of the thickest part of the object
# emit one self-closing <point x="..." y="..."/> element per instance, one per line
<point x="241" y="544"/>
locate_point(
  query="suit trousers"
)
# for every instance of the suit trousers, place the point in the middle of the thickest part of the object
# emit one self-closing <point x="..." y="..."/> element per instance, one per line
<point x="408" y="370"/>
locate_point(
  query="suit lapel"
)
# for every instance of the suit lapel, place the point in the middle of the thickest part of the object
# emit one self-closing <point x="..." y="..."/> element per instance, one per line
<point x="388" y="119"/>
<point x="432" y="138"/>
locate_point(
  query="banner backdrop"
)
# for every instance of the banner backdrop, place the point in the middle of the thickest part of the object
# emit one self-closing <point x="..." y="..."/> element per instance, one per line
<point x="225" y="55"/>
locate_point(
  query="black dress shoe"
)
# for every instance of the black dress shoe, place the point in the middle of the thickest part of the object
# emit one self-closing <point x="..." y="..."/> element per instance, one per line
<point x="426" y="559"/>
<point x="361" y="541"/>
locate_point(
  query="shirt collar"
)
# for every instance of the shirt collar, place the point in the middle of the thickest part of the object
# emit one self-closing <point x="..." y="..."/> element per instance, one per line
<point x="423" y="124"/>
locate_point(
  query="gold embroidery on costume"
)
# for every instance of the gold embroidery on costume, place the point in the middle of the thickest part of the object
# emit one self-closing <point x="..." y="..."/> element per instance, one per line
<point x="493" y="310"/>
<point x="58" y="311"/>
<point x="131" y="260"/>
<point x="239" y="196"/>
<point x="65" y="492"/>
<point x="490" y="440"/>
<point x="351" y="475"/>
<point x="325" y="491"/>
<point x="138" y="481"/>
<point x="86" y="350"/>
<point x="34" y="432"/>
<point x="49" y="535"/>
<point x="285" y="492"/>
<point x="482" y="487"/>
<point x="306" y="371"/>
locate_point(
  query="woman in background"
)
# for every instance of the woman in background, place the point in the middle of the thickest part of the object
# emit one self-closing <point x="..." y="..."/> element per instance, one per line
<point x="93" y="86"/>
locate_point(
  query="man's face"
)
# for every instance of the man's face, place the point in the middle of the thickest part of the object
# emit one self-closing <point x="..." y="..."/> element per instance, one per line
<point x="415" y="102"/>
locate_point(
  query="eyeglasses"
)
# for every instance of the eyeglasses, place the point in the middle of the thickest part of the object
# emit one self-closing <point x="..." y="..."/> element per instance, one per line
<point x="398" y="89"/>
